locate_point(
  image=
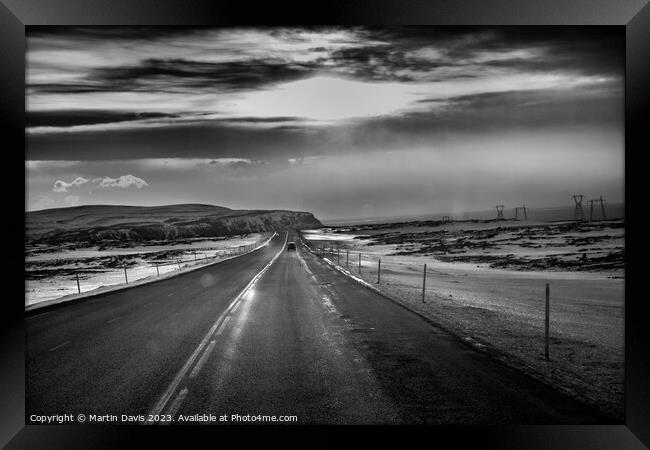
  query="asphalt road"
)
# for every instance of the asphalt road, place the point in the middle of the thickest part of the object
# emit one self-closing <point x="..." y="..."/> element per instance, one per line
<point x="277" y="333"/>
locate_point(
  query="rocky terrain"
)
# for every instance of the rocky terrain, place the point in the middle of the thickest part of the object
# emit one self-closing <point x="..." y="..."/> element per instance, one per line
<point x="570" y="245"/>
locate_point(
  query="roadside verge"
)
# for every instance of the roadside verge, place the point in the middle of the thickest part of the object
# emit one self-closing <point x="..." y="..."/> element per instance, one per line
<point x="74" y="298"/>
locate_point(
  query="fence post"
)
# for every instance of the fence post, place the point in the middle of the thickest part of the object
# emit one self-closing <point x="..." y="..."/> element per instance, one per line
<point x="78" y="288"/>
<point x="179" y="264"/>
<point x="379" y="271"/>
<point x="359" y="262"/>
<point x="194" y="256"/>
<point x="157" y="270"/>
<point x="125" y="277"/>
<point x="546" y="322"/>
<point x="338" y="255"/>
<point x="424" y="282"/>
<point x="347" y="257"/>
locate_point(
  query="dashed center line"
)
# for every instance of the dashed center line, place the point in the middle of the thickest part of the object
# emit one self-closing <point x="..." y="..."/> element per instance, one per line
<point x="203" y="359"/>
<point x="63" y="344"/>
<point x="112" y="320"/>
<point x="170" y="294"/>
<point x="223" y="325"/>
<point x="178" y="401"/>
<point x="217" y="328"/>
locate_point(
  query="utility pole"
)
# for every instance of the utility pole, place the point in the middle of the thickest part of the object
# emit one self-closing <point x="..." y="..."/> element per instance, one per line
<point x="424" y="282"/>
<point x="499" y="211"/>
<point x="546" y="322"/>
<point x="591" y="208"/>
<point x="379" y="271"/>
<point x="578" y="212"/>
<point x="523" y="208"/>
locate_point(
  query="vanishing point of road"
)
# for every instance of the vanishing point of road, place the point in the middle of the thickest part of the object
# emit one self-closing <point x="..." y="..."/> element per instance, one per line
<point x="272" y="332"/>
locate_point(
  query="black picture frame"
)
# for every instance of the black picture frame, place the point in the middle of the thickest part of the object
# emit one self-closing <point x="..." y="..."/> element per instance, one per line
<point x="634" y="15"/>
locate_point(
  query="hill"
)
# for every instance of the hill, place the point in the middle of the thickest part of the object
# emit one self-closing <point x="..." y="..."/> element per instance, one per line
<point x="96" y="224"/>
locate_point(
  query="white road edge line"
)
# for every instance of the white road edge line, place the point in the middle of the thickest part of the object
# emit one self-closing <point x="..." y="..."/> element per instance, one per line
<point x="164" y="399"/>
<point x="236" y="307"/>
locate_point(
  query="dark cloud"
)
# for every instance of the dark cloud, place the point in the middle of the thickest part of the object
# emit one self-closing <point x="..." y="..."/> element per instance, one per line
<point x="244" y="120"/>
<point x="102" y="33"/>
<point x="587" y="50"/>
<point x="65" y="118"/>
<point x="534" y="111"/>
<point x="204" y="140"/>
<point x="68" y="118"/>
<point x="177" y="75"/>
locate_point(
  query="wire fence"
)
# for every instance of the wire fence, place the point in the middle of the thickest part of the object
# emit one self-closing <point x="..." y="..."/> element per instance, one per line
<point x="191" y="259"/>
<point x="484" y="304"/>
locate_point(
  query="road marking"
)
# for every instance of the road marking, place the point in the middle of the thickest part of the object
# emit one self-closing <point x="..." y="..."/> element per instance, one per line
<point x="235" y="308"/>
<point x="169" y="295"/>
<point x="164" y="399"/>
<point x="203" y="358"/>
<point x="223" y="325"/>
<point x="178" y="401"/>
<point x="59" y="346"/>
<point x="112" y="320"/>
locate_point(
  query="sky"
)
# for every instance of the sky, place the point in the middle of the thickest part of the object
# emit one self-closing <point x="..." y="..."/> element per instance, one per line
<point x="343" y="122"/>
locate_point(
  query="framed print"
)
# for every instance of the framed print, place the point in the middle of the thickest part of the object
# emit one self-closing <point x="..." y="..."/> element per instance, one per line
<point x="390" y="216"/>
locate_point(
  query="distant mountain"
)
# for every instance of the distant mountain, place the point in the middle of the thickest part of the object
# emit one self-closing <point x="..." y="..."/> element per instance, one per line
<point x="95" y="224"/>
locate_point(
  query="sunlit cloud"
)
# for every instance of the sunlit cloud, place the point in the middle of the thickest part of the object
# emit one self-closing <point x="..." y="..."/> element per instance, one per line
<point x="62" y="186"/>
<point x="123" y="182"/>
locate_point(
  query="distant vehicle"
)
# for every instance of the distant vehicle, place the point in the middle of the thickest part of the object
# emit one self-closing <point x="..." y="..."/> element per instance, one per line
<point x="291" y="246"/>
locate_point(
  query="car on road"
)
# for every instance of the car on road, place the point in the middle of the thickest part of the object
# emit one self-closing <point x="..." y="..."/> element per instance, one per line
<point x="291" y="246"/>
